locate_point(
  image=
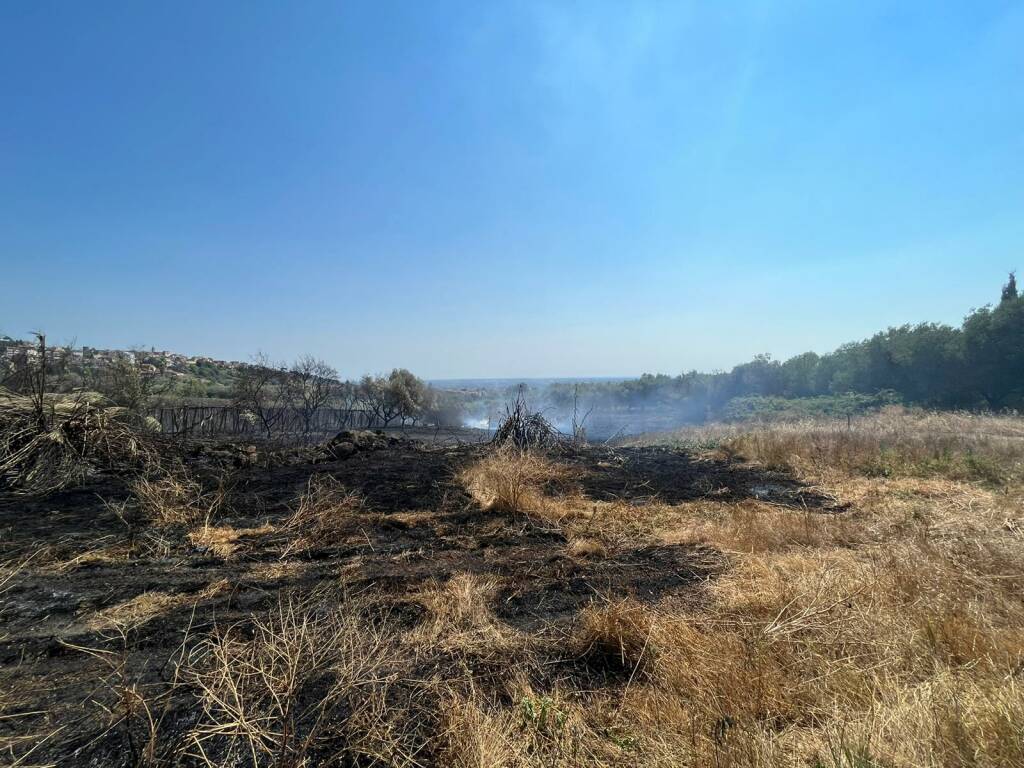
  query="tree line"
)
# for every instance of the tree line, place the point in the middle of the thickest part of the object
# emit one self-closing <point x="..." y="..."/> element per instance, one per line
<point x="977" y="366"/>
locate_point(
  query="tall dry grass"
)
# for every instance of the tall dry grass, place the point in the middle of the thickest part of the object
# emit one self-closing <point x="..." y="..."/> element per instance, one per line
<point x="510" y="479"/>
<point x="891" y="634"/>
<point x="894" y="442"/>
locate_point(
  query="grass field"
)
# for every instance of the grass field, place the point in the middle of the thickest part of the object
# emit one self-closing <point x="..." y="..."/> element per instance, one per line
<point x="805" y="594"/>
<point x="889" y="634"/>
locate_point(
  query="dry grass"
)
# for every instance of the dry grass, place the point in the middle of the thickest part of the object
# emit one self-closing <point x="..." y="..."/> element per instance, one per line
<point x="830" y="655"/>
<point x="513" y="480"/>
<point x="587" y="548"/>
<point x="59" y="440"/>
<point x="543" y="489"/>
<point x="460" y="618"/>
<point x="537" y="486"/>
<point x="887" y="635"/>
<point x="751" y="526"/>
<point x="109" y="555"/>
<point x="224" y="541"/>
<point x="895" y="442"/>
<point x="305" y="685"/>
<point x="891" y="634"/>
<point x="175" y="498"/>
<point x="323" y="515"/>
<point x="478" y="734"/>
<point x="137" y="611"/>
<point x="617" y="636"/>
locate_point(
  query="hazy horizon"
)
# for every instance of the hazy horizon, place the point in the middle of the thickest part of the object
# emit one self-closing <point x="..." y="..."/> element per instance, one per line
<point x="506" y="191"/>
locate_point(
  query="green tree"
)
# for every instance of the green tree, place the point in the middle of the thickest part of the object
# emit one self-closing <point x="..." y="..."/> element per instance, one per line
<point x="1010" y="289"/>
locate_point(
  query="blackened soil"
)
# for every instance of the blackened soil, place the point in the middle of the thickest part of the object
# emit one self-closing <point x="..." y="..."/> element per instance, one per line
<point x="419" y="526"/>
<point x="674" y="476"/>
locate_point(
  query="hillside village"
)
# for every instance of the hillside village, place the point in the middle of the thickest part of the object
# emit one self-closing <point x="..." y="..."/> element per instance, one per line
<point x="76" y="362"/>
<point x="151" y="360"/>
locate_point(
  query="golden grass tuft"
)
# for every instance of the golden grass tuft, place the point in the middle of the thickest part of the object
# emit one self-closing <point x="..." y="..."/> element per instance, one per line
<point x="587" y="548"/>
<point x="617" y="636"/>
<point x="511" y="480"/>
<point x="143" y="608"/>
<point x="460" y="617"/>
<point x="478" y="734"/>
<point x="224" y="541"/>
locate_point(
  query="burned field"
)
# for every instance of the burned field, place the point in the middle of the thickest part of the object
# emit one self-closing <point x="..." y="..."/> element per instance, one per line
<point x="798" y="594"/>
<point x="110" y="618"/>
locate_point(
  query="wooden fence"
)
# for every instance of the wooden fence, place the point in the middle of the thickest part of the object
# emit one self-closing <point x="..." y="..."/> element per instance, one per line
<point x="209" y="420"/>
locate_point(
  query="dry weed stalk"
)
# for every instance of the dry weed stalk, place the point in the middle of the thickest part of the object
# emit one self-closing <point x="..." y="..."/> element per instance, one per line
<point x="323" y="515"/>
<point x="176" y="498"/>
<point x="301" y="686"/>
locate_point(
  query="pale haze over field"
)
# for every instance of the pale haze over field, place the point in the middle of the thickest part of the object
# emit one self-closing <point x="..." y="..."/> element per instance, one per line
<point x="506" y="189"/>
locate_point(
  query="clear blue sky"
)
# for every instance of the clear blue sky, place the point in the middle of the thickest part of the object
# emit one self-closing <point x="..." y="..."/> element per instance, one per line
<point x="506" y="189"/>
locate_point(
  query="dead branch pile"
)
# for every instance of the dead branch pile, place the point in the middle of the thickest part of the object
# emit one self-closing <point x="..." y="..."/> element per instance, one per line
<point x="55" y="441"/>
<point x="526" y="429"/>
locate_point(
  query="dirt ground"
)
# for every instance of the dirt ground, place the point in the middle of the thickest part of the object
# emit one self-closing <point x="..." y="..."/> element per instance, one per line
<point x="80" y="609"/>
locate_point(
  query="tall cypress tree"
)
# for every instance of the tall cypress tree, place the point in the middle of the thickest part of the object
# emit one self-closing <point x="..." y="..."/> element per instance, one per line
<point x="1010" y="289"/>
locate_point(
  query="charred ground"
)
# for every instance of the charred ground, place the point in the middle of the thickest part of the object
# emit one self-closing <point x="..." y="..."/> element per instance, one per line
<point x="87" y="604"/>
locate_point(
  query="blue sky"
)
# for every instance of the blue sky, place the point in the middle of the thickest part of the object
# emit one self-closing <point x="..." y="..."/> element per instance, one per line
<point x="506" y="189"/>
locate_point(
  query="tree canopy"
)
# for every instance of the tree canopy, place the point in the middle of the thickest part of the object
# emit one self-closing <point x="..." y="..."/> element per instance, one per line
<point x="979" y="365"/>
